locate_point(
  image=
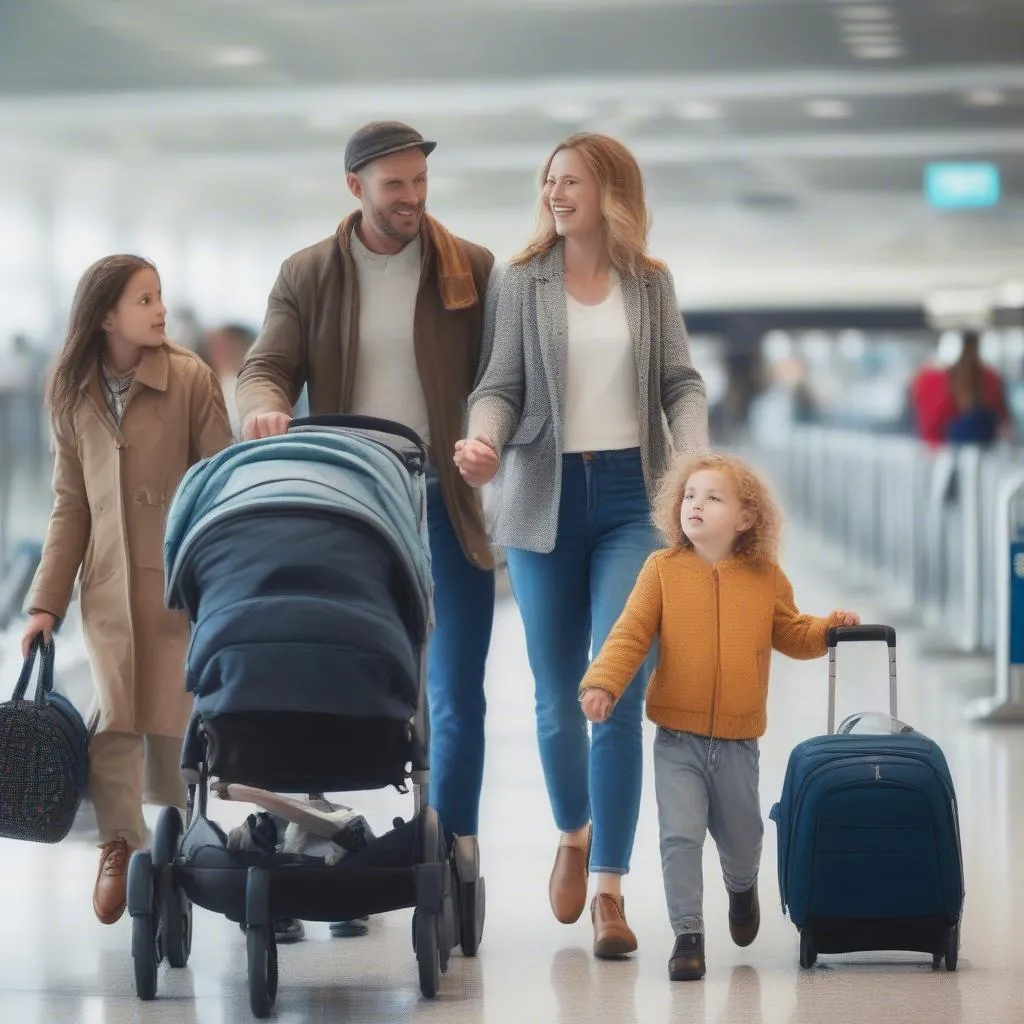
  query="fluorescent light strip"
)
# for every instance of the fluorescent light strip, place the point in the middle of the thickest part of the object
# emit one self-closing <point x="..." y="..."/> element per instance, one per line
<point x="865" y="13"/>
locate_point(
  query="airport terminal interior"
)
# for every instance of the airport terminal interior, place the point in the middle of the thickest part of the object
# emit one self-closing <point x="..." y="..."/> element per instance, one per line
<point x="837" y="188"/>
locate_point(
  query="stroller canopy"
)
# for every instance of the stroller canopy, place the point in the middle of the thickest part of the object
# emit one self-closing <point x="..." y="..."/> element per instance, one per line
<point x="303" y="564"/>
<point x="340" y="473"/>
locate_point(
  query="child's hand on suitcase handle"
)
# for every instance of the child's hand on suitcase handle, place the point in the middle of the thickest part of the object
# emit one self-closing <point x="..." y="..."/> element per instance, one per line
<point x="845" y="618"/>
<point x="597" y="704"/>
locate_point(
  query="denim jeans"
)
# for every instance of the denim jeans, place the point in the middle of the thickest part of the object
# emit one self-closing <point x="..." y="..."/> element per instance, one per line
<point x="463" y="614"/>
<point x="705" y="785"/>
<point x="569" y="600"/>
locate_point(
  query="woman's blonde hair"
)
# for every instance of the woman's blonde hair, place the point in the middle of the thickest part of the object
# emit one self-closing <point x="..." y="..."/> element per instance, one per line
<point x="758" y="544"/>
<point x="623" y="204"/>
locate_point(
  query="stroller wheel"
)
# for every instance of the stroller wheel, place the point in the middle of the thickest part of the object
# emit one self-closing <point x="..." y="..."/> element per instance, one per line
<point x="175" y="931"/>
<point x="261" y="952"/>
<point x="145" y="924"/>
<point x="166" y="837"/>
<point x="175" y="921"/>
<point x="260" y="945"/>
<point x="472" y="904"/>
<point x="425" y="941"/>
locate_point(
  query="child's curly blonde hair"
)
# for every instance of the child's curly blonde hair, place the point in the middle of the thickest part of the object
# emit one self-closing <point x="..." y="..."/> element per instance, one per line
<point x="758" y="544"/>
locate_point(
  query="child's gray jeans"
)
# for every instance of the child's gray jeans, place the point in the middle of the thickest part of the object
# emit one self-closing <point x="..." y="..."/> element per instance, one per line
<point x="705" y="785"/>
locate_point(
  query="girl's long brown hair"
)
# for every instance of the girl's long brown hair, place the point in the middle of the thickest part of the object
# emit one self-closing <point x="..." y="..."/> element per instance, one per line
<point x="98" y="292"/>
<point x="965" y="375"/>
<point x="623" y="204"/>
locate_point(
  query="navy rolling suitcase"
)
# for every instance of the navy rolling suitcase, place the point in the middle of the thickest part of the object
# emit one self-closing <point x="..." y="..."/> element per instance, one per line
<point x="869" y="841"/>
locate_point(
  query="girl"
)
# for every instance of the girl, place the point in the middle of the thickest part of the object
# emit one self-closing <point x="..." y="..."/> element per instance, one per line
<point x="717" y="603"/>
<point x="130" y="414"/>
<point x="589" y="359"/>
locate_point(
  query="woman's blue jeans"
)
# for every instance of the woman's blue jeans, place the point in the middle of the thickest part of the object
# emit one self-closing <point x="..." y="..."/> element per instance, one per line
<point x="569" y="600"/>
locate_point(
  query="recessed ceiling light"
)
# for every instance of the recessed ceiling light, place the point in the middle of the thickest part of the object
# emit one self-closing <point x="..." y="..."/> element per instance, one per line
<point x="696" y="110"/>
<point x="878" y="51"/>
<point x="638" y="110"/>
<point x="986" y="98"/>
<point x="238" y="57"/>
<point x="827" y="110"/>
<point x="571" y="111"/>
<point x="865" y="12"/>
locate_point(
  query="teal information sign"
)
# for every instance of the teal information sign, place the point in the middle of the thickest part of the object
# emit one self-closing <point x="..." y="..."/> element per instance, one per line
<point x="959" y="186"/>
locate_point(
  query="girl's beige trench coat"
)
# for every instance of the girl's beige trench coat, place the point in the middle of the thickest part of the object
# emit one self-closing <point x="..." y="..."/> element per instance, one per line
<point x="112" y="487"/>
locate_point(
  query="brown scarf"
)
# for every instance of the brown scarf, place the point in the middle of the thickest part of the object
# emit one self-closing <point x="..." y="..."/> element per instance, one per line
<point x="455" y="277"/>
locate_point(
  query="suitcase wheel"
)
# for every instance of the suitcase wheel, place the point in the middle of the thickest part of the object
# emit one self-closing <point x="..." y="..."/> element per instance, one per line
<point x="950" y="950"/>
<point x="808" y="954"/>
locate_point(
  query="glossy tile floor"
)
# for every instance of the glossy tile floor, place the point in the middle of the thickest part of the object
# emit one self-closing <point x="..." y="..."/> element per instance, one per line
<point x="58" y="965"/>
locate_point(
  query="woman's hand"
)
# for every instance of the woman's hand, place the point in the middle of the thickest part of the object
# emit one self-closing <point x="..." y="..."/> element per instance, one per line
<point x="40" y="622"/>
<point x="477" y="460"/>
<point x="597" y="704"/>
<point x="844" y="618"/>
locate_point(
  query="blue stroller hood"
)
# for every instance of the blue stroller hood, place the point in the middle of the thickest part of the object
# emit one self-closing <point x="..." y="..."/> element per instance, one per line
<point x="347" y="474"/>
<point x="303" y="564"/>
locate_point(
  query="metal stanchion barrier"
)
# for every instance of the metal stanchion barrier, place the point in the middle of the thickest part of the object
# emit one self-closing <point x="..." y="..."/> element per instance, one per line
<point x="1006" y="704"/>
<point x="969" y="472"/>
<point x="897" y="513"/>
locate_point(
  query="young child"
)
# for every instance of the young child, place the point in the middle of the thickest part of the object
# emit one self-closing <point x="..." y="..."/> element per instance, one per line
<point x="130" y="414"/>
<point x="718" y="603"/>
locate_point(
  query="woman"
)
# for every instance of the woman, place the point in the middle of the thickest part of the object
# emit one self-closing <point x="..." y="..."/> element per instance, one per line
<point x="588" y="353"/>
<point x="965" y="404"/>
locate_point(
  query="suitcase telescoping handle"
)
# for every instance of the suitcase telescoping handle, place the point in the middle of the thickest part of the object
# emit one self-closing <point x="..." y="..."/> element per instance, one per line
<point x="859" y="634"/>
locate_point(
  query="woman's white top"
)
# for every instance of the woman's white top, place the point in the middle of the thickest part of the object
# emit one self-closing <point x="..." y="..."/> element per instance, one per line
<point x="601" y="411"/>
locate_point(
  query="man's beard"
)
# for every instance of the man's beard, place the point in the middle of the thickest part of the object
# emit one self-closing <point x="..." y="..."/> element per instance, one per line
<point x="383" y="223"/>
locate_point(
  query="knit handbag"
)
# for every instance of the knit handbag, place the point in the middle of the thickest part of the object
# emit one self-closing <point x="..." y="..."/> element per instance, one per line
<point x="44" y="757"/>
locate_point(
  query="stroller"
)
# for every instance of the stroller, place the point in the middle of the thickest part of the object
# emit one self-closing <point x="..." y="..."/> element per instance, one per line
<point x="303" y="564"/>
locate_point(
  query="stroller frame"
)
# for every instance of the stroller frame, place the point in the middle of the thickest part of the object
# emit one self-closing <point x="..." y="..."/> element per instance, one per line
<point x="189" y="863"/>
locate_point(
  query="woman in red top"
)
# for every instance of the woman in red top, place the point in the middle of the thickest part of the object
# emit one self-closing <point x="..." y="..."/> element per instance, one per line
<point x="964" y="404"/>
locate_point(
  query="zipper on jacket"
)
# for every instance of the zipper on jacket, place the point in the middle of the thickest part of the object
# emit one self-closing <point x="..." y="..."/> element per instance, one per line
<point x="718" y="660"/>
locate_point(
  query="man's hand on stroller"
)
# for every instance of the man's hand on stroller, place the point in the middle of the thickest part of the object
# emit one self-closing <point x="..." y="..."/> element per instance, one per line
<point x="265" y="424"/>
<point x="477" y="460"/>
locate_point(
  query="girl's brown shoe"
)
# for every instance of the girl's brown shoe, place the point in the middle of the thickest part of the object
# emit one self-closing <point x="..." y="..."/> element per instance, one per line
<point x="612" y="935"/>
<point x="110" y="893"/>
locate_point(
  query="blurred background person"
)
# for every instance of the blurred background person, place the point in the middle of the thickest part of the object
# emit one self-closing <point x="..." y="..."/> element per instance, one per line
<point x="224" y="349"/>
<point x="962" y="404"/>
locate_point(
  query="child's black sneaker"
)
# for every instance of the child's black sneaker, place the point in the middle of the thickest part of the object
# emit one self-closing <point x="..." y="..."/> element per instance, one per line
<point x="687" y="960"/>
<point x="744" y="916"/>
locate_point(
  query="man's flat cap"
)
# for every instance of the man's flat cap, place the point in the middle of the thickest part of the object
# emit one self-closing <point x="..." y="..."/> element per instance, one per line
<point x="381" y="138"/>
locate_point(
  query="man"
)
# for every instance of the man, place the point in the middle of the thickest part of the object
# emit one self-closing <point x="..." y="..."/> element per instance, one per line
<point x="385" y="318"/>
